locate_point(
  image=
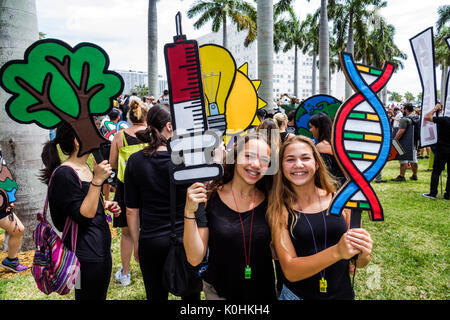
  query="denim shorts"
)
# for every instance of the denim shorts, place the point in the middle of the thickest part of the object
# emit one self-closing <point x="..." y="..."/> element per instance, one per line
<point x="287" y="294"/>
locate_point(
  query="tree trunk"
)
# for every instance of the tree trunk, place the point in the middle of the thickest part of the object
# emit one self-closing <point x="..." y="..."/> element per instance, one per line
<point x="295" y="71"/>
<point x="153" y="84"/>
<point x="21" y="144"/>
<point x="265" y="50"/>
<point x="324" y="50"/>
<point x="350" y="49"/>
<point x="329" y="82"/>
<point x="224" y="32"/>
<point x="313" y="75"/>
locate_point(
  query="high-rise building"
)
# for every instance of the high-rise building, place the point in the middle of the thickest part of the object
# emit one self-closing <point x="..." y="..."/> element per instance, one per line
<point x="283" y="65"/>
<point x="133" y="78"/>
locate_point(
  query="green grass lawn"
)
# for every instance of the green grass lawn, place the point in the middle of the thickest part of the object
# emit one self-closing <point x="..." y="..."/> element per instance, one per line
<point x="410" y="255"/>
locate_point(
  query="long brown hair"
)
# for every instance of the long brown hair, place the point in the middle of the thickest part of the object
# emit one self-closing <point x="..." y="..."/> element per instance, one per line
<point x="157" y="118"/>
<point x="283" y="197"/>
<point x="229" y="163"/>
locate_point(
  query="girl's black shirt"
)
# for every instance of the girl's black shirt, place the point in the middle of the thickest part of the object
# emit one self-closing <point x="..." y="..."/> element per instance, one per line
<point x="337" y="275"/>
<point x="226" y="261"/>
<point x="65" y="198"/>
<point x="334" y="168"/>
<point x="147" y="188"/>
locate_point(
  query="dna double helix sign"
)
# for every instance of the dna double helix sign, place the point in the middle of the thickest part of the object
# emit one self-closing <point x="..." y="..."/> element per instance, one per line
<point x="361" y="138"/>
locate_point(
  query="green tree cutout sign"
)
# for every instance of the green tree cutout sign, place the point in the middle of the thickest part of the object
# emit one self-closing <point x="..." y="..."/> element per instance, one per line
<point x="56" y="83"/>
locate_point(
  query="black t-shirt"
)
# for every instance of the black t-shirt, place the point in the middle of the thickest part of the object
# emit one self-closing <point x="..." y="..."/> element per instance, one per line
<point x="226" y="261"/>
<point x="336" y="275"/>
<point x="333" y="167"/>
<point x="443" y="132"/>
<point x="65" y="198"/>
<point x="147" y="188"/>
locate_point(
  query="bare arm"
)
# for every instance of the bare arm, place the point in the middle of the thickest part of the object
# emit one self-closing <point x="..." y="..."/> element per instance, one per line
<point x="195" y="239"/>
<point x="399" y="134"/>
<point x="89" y="205"/>
<point x="116" y="144"/>
<point x="298" y="268"/>
<point x="429" y="115"/>
<point x="324" y="147"/>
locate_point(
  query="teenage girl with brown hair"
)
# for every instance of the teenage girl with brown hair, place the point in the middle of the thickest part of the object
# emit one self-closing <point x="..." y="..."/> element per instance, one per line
<point x="313" y="248"/>
<point x="234" y="228"/>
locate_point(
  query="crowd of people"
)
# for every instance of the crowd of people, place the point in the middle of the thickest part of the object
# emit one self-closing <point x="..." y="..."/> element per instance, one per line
<point x="261" y="237"/>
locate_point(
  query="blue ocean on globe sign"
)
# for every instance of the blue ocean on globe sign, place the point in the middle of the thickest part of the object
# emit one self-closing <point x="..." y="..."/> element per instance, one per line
<point x="311" y="106"/>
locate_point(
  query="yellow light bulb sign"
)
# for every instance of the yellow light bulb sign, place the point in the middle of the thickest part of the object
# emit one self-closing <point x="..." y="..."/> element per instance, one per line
<point x="218" y="72"/>
<point x="231" y="97"/>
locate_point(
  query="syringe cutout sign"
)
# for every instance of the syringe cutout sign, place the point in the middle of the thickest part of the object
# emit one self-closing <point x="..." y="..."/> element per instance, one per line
<point x="192" y="142"/>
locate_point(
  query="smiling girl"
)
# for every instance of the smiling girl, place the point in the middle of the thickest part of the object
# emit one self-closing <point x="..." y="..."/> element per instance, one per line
<point x="313" y="248"/>
<point x="234" y="228"/>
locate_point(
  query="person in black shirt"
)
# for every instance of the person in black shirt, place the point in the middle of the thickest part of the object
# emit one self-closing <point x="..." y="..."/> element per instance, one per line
<point x="234" y="229"/>
<point x="138" y="117"/>
<point x="282" y="121"/>
<point x="313" y="248"/>
<point x="320" y="126"/>
<point x="442" y="152"/>
<point x="75" y="192"/>
<point x="147" y="200"/>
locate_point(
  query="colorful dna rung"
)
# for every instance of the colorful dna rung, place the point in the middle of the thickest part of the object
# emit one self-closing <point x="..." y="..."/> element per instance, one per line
<point x="361" y="137"/>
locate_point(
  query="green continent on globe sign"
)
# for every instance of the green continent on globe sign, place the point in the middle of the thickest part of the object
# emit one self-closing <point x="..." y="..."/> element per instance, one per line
<point x="313" y="105"/>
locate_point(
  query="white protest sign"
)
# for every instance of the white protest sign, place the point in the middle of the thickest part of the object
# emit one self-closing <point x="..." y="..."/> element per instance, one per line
<point x="423" y="49"/>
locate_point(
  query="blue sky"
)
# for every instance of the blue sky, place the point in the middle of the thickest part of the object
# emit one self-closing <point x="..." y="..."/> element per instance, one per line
<point x="119" y="26"/>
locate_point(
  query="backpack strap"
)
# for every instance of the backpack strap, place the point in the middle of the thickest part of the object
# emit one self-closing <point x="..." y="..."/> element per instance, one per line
<point x="69" y="222"/>
<point x="125" y="143"/>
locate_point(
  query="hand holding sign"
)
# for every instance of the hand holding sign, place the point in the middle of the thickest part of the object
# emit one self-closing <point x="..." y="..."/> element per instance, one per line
<point x="192" y="143"/>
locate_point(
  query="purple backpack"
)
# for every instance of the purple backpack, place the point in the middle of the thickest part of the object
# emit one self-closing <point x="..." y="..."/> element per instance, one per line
<point x="55" y="267"/>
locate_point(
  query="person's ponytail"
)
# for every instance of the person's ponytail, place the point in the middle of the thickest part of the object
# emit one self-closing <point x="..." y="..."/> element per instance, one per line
<point x="51" y="160"/>
<point x="138" y="112"/>
<point x="157" y="118"/>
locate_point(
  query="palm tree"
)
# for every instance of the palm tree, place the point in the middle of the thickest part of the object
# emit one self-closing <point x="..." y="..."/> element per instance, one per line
<point x="21" y="144"/>
<point x="267" y="13"/>
<point x="444" y="17"/>
<point x="288" y="34"/>
<point x="395" y="96"/>
<point x="324" y="44"/>
<point x="409" y="97"/>
<point x="349" y="15"/>
<point x="218" y="12"/>
<point x="310" y="27"/>
<point x="152" y="38"/>
<point x="334" y="61"/>
<point x="385" y="49"/>
<point x="442" y="57"/>
<point x="324" y="50"/>
<point x="265" y="50"/>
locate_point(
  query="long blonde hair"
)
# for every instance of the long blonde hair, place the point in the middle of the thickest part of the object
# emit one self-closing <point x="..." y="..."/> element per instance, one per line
<point x="283" y="197"/>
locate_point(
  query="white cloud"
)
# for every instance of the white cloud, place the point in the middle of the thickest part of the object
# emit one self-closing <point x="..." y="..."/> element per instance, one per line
<point x="120" y="27"/>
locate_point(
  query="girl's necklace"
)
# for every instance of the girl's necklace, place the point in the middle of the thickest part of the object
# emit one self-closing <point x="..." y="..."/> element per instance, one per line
<point x="322" y="281"/>
<point x="247" y="268"/>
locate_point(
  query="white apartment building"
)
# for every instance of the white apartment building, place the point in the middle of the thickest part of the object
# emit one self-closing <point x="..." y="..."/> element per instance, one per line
<point x="133" y="78"/>
<point x="283" y="65"/>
